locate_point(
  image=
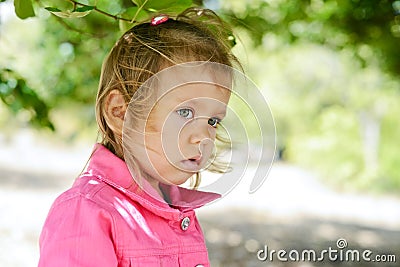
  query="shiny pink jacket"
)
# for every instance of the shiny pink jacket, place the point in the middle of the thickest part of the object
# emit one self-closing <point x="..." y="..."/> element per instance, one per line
<point x="105" y="219"/>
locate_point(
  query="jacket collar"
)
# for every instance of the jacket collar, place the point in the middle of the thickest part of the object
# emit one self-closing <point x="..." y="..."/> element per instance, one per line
<point x="114" y="171"/>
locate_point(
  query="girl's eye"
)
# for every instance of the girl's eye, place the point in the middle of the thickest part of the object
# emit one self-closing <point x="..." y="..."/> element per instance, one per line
<point x="214" y="122"/>
<point x="186" y="113"/>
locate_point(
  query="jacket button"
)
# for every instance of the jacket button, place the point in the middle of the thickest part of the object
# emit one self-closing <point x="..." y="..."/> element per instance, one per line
<point x="199" y="265"/>
<point x="185" y="223"/>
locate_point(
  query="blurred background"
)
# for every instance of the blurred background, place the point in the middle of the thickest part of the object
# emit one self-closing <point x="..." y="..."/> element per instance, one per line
<point x="330" y="71"/>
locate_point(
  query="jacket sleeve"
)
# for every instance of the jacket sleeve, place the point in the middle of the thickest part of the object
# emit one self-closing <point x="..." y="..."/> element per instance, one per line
<point x="78" y="233"/>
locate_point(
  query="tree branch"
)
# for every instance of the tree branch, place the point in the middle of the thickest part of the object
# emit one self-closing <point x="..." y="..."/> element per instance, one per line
<point x="69" y="27"/>
<point x="100" y="11"/>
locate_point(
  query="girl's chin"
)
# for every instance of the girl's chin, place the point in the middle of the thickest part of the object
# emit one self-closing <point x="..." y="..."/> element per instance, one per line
<point x="176" y="180"/>
<point x="181" y="181"/>
<point x="184" y="181"/>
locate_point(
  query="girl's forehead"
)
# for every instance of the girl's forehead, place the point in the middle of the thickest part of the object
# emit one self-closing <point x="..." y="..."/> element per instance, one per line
<point x="196" y="92"/>
<point x="198" y="76"/>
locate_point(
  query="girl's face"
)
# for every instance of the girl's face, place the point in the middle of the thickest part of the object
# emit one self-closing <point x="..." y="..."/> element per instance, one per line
<point x="181" y="131"/>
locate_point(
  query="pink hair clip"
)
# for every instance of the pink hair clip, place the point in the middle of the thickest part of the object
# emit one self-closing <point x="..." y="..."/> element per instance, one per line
<point x="159" y="19"/>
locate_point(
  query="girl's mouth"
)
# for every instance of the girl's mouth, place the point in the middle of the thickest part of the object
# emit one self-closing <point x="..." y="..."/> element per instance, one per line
<point x="192" y="164"/>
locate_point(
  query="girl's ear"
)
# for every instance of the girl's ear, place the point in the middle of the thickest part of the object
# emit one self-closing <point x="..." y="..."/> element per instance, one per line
<point x="115" y="108"/>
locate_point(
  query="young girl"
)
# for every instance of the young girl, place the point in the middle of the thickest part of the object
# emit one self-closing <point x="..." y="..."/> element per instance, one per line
<point x="163" y="91"/>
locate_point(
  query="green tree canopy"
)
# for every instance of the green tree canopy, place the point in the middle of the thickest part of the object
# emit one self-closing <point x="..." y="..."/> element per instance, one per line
<point x="82" y="31"/>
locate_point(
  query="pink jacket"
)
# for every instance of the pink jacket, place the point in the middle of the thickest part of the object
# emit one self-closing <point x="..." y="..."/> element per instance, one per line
<point x="104" y="220"/>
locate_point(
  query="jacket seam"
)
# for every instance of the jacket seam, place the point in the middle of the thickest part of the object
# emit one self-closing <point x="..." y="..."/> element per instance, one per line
<point x="84" y="196"/>
<point x="164" y="251"/>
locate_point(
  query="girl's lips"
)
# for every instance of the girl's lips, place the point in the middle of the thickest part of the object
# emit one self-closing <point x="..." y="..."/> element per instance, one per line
<point x="191" y="165"/>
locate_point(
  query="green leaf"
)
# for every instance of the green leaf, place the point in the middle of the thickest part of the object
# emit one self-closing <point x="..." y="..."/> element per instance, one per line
<point x="124" y="25"/>
<point x="24" y="9"/>
<point x="157" y="5"/>
<point x="68" y="14"/>
<point x="84" y="8"/>
<point x="178" y="8"/>
<point x="138" y="2"/>
<point x="132" y="13"/>
<point x="168" y="6"/>
<point x="59" y="4"/>
<point x="52" y="9"/>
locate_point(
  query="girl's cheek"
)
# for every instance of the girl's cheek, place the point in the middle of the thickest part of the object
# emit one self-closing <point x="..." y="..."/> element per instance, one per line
<point x="212" y="133"/>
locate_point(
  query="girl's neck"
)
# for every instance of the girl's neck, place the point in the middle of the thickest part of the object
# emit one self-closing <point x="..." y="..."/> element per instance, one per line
<point x="155" y="184"/>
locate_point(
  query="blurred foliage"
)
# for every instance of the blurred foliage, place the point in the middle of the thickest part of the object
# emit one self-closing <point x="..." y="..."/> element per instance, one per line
<point x="332" y="114"/>
<point x="329" y="68"/>
<point x="360" y="25"/>
<point x="19" y="97"/>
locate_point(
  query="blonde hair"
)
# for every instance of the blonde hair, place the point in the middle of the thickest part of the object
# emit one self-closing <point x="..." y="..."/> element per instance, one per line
<point x="195" y="35"/>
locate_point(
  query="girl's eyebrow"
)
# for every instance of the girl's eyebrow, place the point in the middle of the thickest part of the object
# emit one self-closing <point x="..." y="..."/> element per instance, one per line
<point x="191" y="100"/>
<point x="196" y="102"/>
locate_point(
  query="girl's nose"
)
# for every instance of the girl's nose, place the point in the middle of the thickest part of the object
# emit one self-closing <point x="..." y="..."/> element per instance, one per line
<point x="201" y="131"/>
